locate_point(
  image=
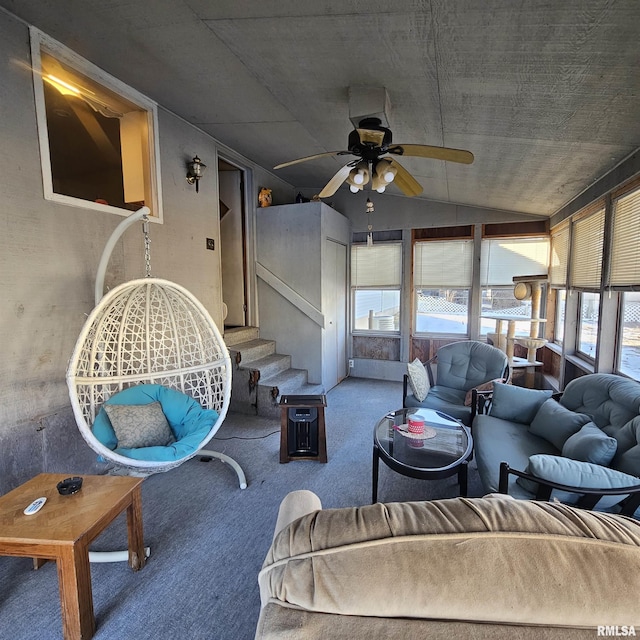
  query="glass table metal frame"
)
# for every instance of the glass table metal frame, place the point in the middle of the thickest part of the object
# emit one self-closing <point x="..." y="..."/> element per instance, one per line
<point x="447" y="454"/>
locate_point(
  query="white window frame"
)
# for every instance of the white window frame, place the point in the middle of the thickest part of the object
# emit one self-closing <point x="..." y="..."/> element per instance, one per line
<point x="437" y="283"/>
<point x="40" y="40"/>
<point x="376" y="287"/>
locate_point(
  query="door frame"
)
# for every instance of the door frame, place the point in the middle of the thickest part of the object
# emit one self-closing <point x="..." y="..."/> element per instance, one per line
<point x="248" y="232"/>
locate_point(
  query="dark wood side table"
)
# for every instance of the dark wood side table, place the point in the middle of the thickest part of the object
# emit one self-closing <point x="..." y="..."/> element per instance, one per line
<point x="302" y="428"/>
<point x="62" y="531"/>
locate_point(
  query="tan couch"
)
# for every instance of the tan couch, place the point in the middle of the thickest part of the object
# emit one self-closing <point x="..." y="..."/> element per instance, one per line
<point x="492" y="567"/>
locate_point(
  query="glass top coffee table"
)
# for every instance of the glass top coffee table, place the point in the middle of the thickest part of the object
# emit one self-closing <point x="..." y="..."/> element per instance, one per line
<point x="428" y="457"/>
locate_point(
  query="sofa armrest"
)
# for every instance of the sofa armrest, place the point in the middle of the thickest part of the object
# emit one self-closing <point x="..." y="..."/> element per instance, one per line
<point x="295" y="505"/>
<point x="589" y="496"/>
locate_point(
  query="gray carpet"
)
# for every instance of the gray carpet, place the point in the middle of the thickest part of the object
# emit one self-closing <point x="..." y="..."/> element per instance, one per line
<point x="209" y="538"/>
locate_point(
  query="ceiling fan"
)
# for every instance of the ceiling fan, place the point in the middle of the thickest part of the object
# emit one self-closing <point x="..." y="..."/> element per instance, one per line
<point x="370" y="142"/>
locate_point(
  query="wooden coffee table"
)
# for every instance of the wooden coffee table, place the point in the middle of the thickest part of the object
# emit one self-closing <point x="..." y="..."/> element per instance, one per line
<point x="62" y="531"/>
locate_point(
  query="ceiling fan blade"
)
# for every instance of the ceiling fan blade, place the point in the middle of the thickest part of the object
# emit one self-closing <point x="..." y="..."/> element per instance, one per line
<point x="426" y="151"/>
<point x="333" y="184"/>
<point x="307" y="158"/>
<point x="405" y="181"/>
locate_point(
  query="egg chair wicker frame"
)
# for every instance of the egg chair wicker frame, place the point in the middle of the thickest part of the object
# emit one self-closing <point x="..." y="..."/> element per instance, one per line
<point x="150" y="331"/>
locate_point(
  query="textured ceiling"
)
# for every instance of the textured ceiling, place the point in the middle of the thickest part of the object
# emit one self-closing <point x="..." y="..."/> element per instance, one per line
<point x="546" y="94"/>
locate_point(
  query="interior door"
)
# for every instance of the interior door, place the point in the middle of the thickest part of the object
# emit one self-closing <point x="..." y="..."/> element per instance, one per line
<point x="335" y="312"/>
<point x="232" y="244"/>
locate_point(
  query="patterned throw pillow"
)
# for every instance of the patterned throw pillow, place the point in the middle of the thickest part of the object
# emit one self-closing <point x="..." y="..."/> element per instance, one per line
<point x="418" y="379"/>
<point x="139" y="425"/>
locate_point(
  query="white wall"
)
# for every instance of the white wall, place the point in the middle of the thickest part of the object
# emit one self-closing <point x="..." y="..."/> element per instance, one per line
<point x="290" y="246"/>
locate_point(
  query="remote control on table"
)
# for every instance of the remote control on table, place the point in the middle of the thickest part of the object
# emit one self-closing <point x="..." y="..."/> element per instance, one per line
<point x="35" y="506"/>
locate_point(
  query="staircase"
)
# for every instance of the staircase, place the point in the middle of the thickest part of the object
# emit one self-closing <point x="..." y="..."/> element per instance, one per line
<point x="260" y="375"/>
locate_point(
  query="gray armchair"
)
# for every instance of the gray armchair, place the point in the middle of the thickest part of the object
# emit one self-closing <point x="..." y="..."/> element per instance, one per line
<point x="461" y="366"/>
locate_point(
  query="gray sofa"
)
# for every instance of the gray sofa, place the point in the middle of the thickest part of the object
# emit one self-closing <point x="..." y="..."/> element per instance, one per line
<point x="492" y="567"/>
<point x="585" y="446"/>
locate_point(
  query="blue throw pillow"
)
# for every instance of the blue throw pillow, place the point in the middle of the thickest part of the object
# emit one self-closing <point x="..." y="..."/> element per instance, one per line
<point x="590" y="444"/>
<point x="575" y="473"/>
<point x="517" y="404"/>
<point x="556" y="423"/>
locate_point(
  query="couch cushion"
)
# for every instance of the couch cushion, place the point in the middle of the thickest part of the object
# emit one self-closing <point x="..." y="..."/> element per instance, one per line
<point x="139" y="425"/>
<point x="468" y="363"/>
<point x="590" y="444"/>
<point x="497" y="441"/>
<point x="555" y="423"/>
<point x="418" y="379"/>
<point x="189" y="421"/>
<point x="609" y="399"/>
<point x="574" y="473"/>
<point x="449" y="401"/>
<point x="613" y="402"/>
<point x="459" y="559"/>
<point x="517" y="403"/>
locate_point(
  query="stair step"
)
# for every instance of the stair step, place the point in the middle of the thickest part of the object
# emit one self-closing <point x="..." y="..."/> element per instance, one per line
<point x="276" y="379"/>
<point x="269" y="365"/>
<point x="236" y="335"/>
<point x="288" y="384"/>
<point x="285" y="380"/>
<point x="252" y="350"/>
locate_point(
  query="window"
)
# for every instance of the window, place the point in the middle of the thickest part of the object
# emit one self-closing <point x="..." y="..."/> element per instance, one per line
<point x="588" y="324"/>
<point x="501" y="260"/>
<point x="629" y="351"/>
<point x="586" y="270"/>
<point x="558" y="262"/>
<point x="97" y="136"/>
<point x="625" y="276"/>
<point x="561" y="307"/>
<point x="586" y="258"/>
<point x="376" y="277"/>
<point x="442" y="273"/>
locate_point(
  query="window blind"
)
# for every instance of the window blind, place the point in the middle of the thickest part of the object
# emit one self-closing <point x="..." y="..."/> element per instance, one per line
<point x="625" y="252"/>
<point x="559" y="258"/>
<point x="586" y="257"/>
<point x="446" y="264"/>
<point x="503" y="258"/>
<point x="376" y="266"/>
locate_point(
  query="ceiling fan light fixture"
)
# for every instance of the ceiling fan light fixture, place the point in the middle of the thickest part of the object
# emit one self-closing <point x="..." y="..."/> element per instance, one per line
<point x="358" y="177"/>
<point x="385" y="170"/>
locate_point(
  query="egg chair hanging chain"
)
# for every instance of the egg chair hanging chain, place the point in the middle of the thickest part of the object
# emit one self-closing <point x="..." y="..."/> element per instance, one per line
<point x="147" y="245"/>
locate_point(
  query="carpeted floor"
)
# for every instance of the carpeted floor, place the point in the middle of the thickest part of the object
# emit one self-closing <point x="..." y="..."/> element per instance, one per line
<point x="208" y="538"/>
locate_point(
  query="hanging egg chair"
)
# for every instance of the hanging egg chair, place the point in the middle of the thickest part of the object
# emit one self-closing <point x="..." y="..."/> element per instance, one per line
<point x="148" y="341"/>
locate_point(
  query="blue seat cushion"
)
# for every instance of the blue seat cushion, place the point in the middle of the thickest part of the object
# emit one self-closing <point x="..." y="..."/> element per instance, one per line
<point x="555" y="423"/>
<point x="189" y="422"/>
<point x="445" y="399"/>
<point x="575" y="473"/>
<point x="517" y="404"/>
<point x="497" y="441"/>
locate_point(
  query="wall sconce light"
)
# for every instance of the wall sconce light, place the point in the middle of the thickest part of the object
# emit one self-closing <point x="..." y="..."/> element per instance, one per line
<point x="195" y="169"/>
